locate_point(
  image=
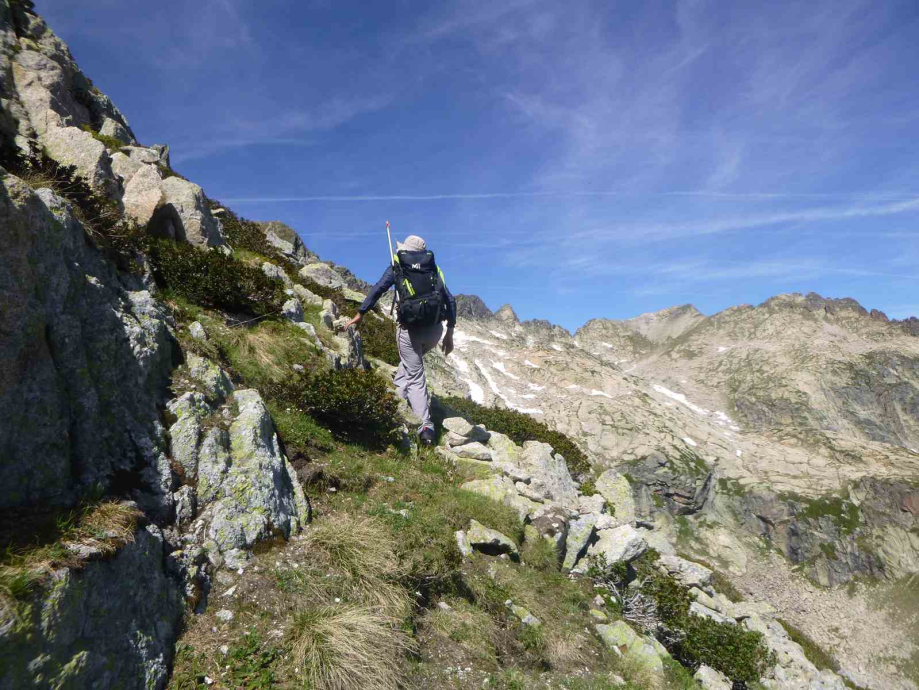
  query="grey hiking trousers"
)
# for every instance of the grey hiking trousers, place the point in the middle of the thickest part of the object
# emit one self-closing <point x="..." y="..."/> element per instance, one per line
<point x="410" y="380"/>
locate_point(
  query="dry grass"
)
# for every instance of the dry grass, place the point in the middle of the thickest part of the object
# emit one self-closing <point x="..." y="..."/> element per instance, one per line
<point x="359" y="556"/>
<point x="565" y="648"/>
<point x="348" y="648"/>
<point x="97" y="530"/>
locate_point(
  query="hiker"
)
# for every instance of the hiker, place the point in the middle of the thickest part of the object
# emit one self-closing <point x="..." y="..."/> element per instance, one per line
<point x="424" y="302"/>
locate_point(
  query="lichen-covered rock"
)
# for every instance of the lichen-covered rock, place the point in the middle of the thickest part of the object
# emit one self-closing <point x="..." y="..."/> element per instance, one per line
<point x="92" y="630"/>
<point x="185" y="433"/>
<point x="273" y="271"/>
<point x="580" y="532"/>
<point x="475" y="451"/>
<point x="83" y="363"/>
<point x="698" y="609"/>
<point x="323" y="274"/>
<point x="306" y="296"/>
<point x="622" y="543"/>
<point x="462" y="543"/>
<point x="113" y="128"/>
<point x="620" y="637"/>
<point x="74" y="146"/>
<point x="502" y="489"/>
<point x="523" y="615"/>
<point x="617" y="492"/>
<point x="490" y="541"/>
<point x="214" y="381"/>
<point x="196" y="330"/>
<point x="469" y="432"/>
<point x="551" y="523"/>
<point x="591" y="504"/>
<point x="552" y="471"/>
<point x="259" y="493"/>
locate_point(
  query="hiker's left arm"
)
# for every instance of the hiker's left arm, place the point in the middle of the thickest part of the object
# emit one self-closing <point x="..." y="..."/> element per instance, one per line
<point x="376" y="292"/>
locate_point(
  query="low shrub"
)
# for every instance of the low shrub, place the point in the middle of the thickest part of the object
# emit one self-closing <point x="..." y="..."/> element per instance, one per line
<point x="379" y="338"/>
<point x="660" y="606"/>
<point x="738" y="654"/>
<point x="245" y="234"/>
<point x="355" y="404"/>
<point x="213" y="279"/>
<point x="518" y="426"/>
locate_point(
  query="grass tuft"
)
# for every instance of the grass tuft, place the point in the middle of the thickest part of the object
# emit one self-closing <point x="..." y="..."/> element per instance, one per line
<point x="348" y="648"/>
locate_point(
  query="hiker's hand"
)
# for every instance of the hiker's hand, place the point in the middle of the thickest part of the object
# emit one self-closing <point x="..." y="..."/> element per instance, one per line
<point x="447" y="344"/>
<point x="353" y="322"/>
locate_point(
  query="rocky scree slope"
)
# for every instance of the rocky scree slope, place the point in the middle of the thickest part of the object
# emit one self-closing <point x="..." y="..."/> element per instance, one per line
<point x="788" y="427"/>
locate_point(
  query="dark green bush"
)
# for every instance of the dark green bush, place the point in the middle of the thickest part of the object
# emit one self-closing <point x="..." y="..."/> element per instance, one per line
<point x="354" y="404"/>
<point x="212" y="279"/>
<point x="739" y="654"/>
<point x="379" y="339"/>
<point x="245" y="234"/>
<point x="518" y="426"/>
<point x="692" y="640"/>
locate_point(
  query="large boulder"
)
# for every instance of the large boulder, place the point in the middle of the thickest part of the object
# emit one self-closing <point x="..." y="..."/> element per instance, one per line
<point x="620" y="637"/>
<point x="502" y="489"/>
<point x="710" y="679"/>
<point x="185" y="215"/>
<point x="552" y="471"/>
<point x="76" y="147"/>
<point x="622" y="543"/>
<point x="287" y="241"/>
<point x="323" y="274"/>
<point x="83" y="363"/>
<point x="258" y="494"/>
<point x="490" y="541"/>
<point x="687" y="573"/>
<point x="143" y="194"/>
<point x="580" y="532"/>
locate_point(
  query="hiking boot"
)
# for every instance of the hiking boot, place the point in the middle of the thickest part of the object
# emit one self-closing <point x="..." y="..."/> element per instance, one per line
<point x="427" y="436"/>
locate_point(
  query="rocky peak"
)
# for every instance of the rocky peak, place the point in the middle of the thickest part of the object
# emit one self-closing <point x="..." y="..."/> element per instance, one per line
<point x="507" y="314"/>
<point x="472" y="307"/>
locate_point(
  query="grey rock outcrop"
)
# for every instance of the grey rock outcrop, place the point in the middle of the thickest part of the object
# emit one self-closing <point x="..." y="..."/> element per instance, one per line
<point x="640" y="650"/>
<point x="286" y="240"/>
<point x="185" y="215"/>
<point x="84" y="362"/>
<point x="621" y="543"/>
<point x="90" y="618"/>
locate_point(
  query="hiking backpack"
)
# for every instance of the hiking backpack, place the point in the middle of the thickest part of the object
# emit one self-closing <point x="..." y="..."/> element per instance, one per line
<point x="419" y="284"/>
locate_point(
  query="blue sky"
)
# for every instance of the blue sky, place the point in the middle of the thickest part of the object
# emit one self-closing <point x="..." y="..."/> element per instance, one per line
<point x="578" y="159"/>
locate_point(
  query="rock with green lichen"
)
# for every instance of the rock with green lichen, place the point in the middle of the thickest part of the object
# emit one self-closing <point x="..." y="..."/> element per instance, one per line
<point x="620" y="637"/>
<point x="254" y="491"/>
<point x="617" y="492"/>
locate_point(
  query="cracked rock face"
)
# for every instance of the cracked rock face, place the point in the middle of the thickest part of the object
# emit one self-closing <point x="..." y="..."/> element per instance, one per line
<point x="84" y="362"/>
<point x="132" y="636"/>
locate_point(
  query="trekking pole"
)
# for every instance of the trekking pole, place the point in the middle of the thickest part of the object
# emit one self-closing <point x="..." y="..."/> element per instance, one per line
<point x="392" y="262"/>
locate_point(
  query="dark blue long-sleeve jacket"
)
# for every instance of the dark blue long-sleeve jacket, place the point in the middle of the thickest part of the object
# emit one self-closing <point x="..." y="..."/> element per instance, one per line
<point x="387" y="281"/>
